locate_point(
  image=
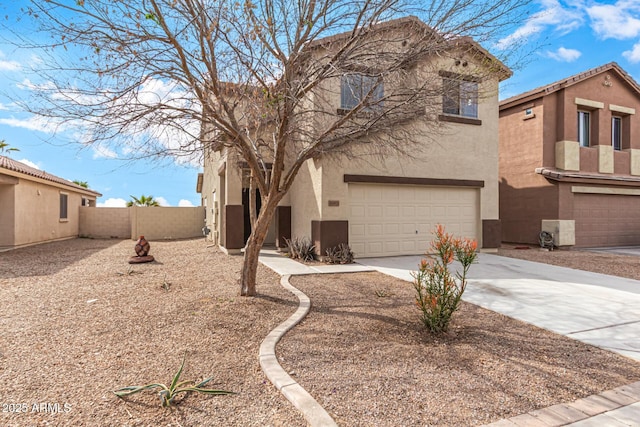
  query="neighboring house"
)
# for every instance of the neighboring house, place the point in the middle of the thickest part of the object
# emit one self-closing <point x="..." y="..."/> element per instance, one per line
<point x="37" y="207"/>
<point x="570" y="154"/>
<point x="384" y="205"/>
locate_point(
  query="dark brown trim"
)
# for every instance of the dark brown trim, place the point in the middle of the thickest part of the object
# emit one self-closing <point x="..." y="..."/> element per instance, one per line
<point x="491" y="233"/>
<point x="459" y="119"/>
<point x="283" y="226"/>
<point x="328" y="234"/>
<point x="372" y="179"/>
<point x="458" y="76"/>
<point x="234" y="226"/>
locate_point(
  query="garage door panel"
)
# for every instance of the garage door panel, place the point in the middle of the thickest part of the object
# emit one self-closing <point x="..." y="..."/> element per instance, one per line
<point x="391" y="211"/>
<point x="357" y="230"/>
<point x="375" y="229"/>
<point x="397" y="220"/>
<point x="375" y="211"/>
<point x="606" y="220"/>
<point x="408" y="246"/>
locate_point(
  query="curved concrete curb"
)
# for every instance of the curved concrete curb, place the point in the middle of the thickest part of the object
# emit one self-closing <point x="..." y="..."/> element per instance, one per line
<point x="301" y="399"/>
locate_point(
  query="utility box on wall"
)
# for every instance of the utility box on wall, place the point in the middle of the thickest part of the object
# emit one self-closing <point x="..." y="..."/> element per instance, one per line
<point x="563" y="231"/>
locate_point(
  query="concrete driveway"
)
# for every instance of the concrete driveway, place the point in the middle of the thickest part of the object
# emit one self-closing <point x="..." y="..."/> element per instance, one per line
<point x="594" y="308"/>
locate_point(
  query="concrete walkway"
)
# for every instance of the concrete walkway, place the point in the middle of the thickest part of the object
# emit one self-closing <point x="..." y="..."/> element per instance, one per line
<point x="594" y="308"/>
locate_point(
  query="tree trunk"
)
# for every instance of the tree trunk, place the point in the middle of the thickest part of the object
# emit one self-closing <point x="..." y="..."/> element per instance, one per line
<point x="252" y="249"/>
<point x="252" y="202"/>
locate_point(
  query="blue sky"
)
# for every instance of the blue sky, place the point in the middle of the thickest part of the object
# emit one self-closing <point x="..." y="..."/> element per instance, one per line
<point x="564" y="38"/>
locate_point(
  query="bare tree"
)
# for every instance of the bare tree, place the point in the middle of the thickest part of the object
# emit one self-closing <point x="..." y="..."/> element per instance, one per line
<point x="185" y="77"/>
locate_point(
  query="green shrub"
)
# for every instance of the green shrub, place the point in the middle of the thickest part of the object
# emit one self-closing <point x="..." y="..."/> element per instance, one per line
<point x="438" y="291"/>
<point x="340" y="254"/>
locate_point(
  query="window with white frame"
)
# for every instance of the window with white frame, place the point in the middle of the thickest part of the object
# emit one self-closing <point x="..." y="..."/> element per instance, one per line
<point x="358" y="88"/>
<point x="460" y="97"/>
<point x="584" y="128"/>
<point x="616" y="133"/>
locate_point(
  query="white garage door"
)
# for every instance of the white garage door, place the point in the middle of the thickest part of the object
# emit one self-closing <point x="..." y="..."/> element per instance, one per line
<point x="390" y="220"/>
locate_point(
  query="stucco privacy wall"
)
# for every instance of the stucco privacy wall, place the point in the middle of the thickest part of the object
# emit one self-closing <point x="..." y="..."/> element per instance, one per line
<point x="105" y="223"/>
<point x="157" y="223"/>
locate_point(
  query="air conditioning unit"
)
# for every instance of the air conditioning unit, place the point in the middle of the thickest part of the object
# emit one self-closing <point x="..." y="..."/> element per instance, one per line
<point x="563" y="231"/>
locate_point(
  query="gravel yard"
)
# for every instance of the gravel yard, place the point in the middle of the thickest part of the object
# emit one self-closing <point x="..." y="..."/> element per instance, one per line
<point x="78" y="322"/>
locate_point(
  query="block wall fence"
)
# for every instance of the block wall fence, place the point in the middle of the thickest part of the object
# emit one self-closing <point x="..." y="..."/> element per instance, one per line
<point x="155" y="223"/>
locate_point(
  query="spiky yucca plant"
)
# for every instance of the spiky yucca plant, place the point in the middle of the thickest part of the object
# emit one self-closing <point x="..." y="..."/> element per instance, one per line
<point x="168" y="394"/>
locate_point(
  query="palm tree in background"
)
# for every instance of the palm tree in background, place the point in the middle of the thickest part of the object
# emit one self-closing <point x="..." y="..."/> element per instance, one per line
<point x="6" y="148"/>
<point x="83" y="184"/>
<point x="143" y="201"/>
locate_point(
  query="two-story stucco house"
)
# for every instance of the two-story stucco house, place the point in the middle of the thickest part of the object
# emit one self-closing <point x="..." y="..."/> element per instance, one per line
<point x="36" y="206"/>
<point x="384" y="205"/>
<point x="570" y="156"/>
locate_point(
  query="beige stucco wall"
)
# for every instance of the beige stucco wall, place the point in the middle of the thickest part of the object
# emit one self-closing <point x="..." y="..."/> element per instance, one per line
<point x="105" y="223"/>
<point x="210" y="194"/>
<point x="37" y="213"/>
<point x="305" y="197"/>
<point x="439" y="150"/>
<point x="157" y="223"/>
<point x="444" y="151"/>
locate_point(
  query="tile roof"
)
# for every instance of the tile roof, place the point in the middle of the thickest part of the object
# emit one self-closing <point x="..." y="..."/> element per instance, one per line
<point x="15" y="166"/>
<point x="568" y="81"/>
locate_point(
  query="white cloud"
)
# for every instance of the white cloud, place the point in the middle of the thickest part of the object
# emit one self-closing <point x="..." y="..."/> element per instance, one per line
<point x="615" y="21"/>
<point x="185" y="203"/>
<point x="162" y="201"/>
<point x="633" y="55"/>
<point x="9" y="65"/>
<point x="564" y="55"/>
<point x="29" y="163"/>
<point x="40" y="124"/>
<point x="102" y="152"/>
<point x="553" y="14"/>
<point x="113" y="203"/>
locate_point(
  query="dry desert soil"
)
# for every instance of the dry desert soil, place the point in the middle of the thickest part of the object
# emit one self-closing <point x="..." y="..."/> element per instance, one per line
<point x="78" y="322"/>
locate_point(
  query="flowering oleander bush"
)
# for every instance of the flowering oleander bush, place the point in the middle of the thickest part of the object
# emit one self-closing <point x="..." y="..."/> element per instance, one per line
<point x="438" y="291"/>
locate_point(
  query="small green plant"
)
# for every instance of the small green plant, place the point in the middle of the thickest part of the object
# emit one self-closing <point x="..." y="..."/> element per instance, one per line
<point x="438" y="291"/>
<point x="340" y="254"/>
<point x="168" y="394"/>
<point x="301" y="248"/>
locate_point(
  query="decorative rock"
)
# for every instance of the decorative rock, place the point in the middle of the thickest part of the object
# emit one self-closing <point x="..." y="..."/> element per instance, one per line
<point x="142" y="247"/>
<point x="140" y="259"/>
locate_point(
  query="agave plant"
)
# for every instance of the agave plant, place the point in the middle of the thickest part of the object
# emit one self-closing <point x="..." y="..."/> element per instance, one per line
<point x="168" y="394"/>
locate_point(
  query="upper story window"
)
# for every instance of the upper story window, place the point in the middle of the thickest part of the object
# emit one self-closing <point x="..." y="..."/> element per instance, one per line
<point x="358" y="88"/>
<point x="460" y="97"/>
<point x="616" y="133"/>
<point x="584" y="128"/>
